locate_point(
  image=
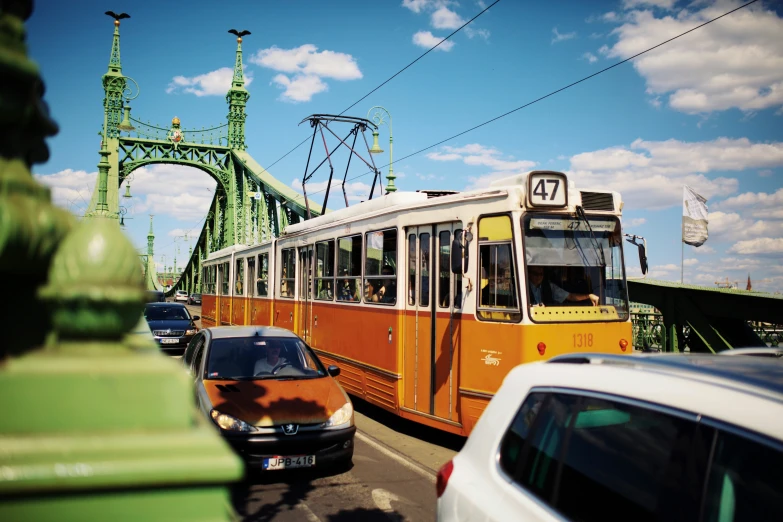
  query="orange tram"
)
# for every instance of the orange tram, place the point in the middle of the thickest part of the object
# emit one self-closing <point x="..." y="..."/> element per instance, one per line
<point x="426" y="301"/>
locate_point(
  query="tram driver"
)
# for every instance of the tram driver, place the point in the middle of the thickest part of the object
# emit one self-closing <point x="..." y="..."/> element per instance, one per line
<point x="543" y="292"/>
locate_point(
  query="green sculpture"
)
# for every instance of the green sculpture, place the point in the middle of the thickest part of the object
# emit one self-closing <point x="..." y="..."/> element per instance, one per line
<point x="97" y="424"/>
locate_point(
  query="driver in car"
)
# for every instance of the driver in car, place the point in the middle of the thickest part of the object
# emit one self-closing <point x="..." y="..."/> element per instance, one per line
<point x="271" y="361"/>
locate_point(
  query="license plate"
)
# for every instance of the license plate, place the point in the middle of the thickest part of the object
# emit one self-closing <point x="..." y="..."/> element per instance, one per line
<point x="169" y="341"/>
<point x="300" y="461"/>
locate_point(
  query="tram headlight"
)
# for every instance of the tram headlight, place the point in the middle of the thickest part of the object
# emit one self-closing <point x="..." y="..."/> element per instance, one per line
<point x="342" y="418"/>
<point x="229" y="423"/>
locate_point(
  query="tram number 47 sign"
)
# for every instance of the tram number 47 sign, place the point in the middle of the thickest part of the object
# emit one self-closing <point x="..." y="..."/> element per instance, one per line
<point x="547" y="189"/>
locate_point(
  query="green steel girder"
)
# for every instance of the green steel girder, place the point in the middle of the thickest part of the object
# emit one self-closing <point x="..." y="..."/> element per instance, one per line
<point x="716" y="317"/>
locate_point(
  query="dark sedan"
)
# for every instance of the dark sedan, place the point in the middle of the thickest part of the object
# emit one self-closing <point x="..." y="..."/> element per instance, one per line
<point x="171" y="324"/>
<point x="194" y="299"/>
<point x="271" y="397"/>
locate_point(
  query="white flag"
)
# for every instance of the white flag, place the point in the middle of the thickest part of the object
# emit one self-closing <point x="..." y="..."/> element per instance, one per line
<point x="694" y="218"/>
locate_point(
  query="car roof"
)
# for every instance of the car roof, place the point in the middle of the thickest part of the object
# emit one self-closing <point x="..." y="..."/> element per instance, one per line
<point x="227" y="332"/>
<point x="747" y="370"/>
<point x="165" y="305"/>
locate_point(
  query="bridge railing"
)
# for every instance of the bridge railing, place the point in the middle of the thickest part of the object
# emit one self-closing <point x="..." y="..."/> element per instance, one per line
<point x="649" y="331"/>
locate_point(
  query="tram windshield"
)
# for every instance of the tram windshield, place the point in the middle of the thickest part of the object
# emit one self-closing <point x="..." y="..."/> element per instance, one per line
<point x="577" y="260"/>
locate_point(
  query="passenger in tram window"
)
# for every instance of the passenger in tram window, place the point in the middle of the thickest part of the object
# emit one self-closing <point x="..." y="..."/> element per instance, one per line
<point x="261" y="286"/>
<point x="387" y="293"/>
<point x="369" y="291"/>
<point x="543" y="292"/>
<point x="326" y="292"/>
<point x="239" y="287"/>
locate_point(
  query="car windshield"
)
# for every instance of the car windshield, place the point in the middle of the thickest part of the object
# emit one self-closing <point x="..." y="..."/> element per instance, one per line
<point x="195" y="295"/>
<point x="165" y="313"/>
<point x="256" y="357"/>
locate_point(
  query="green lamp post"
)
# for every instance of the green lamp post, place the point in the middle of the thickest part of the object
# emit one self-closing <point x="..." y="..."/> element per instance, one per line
<point x="97" y="424"/>
<point x="380" y="116"/>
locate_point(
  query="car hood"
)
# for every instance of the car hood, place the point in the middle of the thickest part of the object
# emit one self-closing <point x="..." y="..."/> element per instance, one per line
<point x="174" y="324"/>
<point x="270" y="402"/>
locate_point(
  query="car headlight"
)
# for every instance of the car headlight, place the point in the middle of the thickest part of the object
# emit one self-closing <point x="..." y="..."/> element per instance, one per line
<point x="342" y="418"/>
<point x="229" y="423"/>
<point x="191" y="332"/>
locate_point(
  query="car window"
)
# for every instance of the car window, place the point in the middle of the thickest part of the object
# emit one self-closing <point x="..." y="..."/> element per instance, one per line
<point x="745" y="482"/>
<point x="262" y="358"/>
<point x="199" y="355"/>
<point x="166" y="313"/>
<point x="187" y="357"/>
<point x="639" y="463"/>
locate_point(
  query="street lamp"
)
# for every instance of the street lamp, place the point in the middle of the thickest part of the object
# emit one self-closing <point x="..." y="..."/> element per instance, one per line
<point x="379" y="116"/>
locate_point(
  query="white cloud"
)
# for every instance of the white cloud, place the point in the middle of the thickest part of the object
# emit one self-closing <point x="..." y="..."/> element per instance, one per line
<point x="734" y="63"/>
<point x="590" y="57"/>
<point x="417" y="6"/>
<point x="445" y="18"/>
<point x="483" y="33"/>
<point x="631" y="223"/>
<point x="596" y="35"/>
<point x="690" y="262"/>
<point x="561" y="37"/>
<point x="426" y="40"/>
<point x="215" y="83"/>
<point x="663" y="4"/>
<point x="71" y="189"/>
<point x="475" y="154"/>
<point x="703" y="249"/>
<point x="732" y="227"/>
<point x="304" y="68"/>
<point x="759" y="201"/>
<point x="301" y="88"/>
<point x="650" y="174"/>
<point x="765" y="173"/>
<point x="762" y="245"/>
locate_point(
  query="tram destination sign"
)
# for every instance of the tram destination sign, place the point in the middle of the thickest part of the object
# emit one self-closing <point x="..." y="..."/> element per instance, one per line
<point x="566" y="223"/>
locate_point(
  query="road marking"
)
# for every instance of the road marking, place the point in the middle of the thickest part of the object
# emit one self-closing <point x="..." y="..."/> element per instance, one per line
<point x="429" y="475"/>
<point x="308" y="513"/>
<point x="383" y="499"/>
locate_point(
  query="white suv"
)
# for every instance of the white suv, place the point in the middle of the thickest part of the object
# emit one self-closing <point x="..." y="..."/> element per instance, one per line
<point x="181" y="295"/>
<point x="643" y="437"/>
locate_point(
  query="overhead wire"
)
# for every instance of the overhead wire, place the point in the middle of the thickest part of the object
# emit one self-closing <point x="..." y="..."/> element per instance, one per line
<point x="553" y="92"/>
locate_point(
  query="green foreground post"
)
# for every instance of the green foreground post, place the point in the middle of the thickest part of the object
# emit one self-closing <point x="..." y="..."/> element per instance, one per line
<point x="96" y="423"/>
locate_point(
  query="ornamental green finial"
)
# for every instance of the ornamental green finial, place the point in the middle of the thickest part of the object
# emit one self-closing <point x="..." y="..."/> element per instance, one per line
<point x="237" y="97"/>
<point x="96" y="288"/>
<point x="114" y="60"/>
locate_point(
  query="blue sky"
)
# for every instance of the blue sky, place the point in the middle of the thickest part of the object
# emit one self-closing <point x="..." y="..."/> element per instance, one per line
<point x="705" y="110"/>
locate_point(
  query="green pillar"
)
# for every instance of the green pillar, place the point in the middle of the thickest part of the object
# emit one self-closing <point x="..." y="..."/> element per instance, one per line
<point x="97" y="424"/>
<point x="236" y="98"/>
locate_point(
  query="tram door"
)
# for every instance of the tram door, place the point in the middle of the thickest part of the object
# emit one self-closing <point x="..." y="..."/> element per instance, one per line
<point x="305" y="297"/>
<point x="429" y="352"/>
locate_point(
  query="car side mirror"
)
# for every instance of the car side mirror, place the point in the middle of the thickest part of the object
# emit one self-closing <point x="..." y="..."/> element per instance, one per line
<point x="333" y="370"/>
<point x="196" y="317"/>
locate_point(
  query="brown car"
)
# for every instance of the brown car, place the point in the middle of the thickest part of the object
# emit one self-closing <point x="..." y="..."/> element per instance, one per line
<point x="271" y="397"/>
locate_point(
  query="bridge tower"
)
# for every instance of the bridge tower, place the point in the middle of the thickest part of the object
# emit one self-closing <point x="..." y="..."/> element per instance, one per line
<point x="249" y="205"/>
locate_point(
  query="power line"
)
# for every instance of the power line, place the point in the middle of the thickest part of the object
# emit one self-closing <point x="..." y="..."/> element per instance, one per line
<point x="554" y="92"/>
<point x="392" y="77"/>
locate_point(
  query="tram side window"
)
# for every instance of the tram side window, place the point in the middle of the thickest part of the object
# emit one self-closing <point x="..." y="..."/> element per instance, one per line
<point x="498" y="288"/>
<point x="251" y="275"/>
<point x="287" y="274"/>
<point x="349" y="268"/>
<point x="458" y="277"/>
<point x="262" y="282"/>
<point x="209" y="280"/>
<point x="224" y="270"/>
<point x="444" y="269"/>
<point x="412" y="269"/>
<point x="380" y="267"/>
<point x="239" y="277"/>
<point x="324" y="270"/>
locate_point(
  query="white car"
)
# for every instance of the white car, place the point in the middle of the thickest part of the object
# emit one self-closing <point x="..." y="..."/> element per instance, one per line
<point x="181" y="295"/>
<point x="594" y="437"/>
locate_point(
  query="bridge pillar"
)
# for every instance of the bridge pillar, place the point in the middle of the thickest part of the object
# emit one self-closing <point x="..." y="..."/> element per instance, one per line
<point x="97" y="424"/>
